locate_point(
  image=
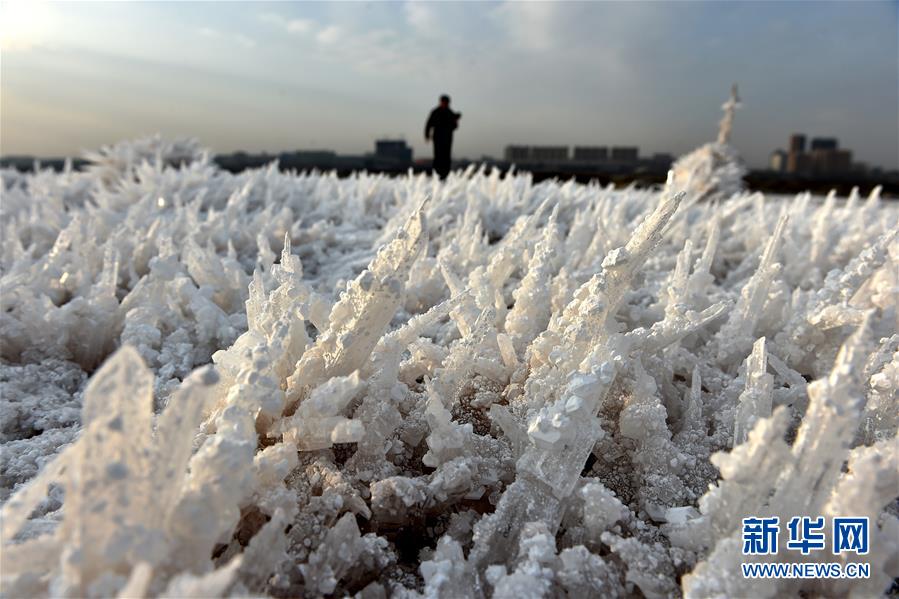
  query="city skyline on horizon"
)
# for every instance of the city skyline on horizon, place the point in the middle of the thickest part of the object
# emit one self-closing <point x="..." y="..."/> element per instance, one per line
<point x="340" y="76"/>
<point x="640" y="154"/>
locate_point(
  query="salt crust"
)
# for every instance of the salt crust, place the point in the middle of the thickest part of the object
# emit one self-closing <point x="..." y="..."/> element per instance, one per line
<point x="298" y="385"/>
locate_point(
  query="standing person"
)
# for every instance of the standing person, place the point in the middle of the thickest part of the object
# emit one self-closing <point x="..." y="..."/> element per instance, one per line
<point x="440" y="127"/>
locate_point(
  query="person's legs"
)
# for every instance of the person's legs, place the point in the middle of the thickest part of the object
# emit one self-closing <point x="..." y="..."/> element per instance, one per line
<point x="442" y="158"/>
<point x="438" y="158"/>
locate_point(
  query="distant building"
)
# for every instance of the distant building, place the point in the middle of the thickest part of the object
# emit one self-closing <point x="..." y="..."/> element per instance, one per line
<point x="831" y="161"/>
<point x="591" y="153"/>
<point x="662" y="159"/>
<point x="549" y="153"/>
<point x="823" y="157"/>
<point x="307" y="159"/>
<point x="797" y="143"/>
<point x="517" y="153"/>
<point x="536" y="154"/>
<point x="824" y="143"/>
<point x="798" y="162"/>
<point x="310" y="155"/>
<point x="393" y="149"/>
<point x="777" y="162"/>
<point x="625" y="154"/>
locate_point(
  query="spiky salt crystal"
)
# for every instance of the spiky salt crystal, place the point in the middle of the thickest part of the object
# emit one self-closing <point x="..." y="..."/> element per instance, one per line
<point x="514" y="390"/>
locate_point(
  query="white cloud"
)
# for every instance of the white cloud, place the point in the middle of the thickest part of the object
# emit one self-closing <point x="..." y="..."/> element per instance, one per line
<point x="300" y="25"/>
<point x="421" y="18"/>
<point x="329" y="34"/>
<point x="294" y="26"/>
<point x="215" y="34"/>
<point x="530" y="25"/>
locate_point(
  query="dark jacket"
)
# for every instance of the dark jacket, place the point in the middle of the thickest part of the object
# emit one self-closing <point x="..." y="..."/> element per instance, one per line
<point x="441" y="124"/>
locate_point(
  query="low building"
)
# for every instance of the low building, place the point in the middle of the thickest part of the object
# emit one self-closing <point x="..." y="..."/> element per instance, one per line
<point x="549" y="153"/>
<point x="831" y="161"/>
<point x="517" y="153"/>
<point x="536" y="154"/>
<point x="625" y="154"/>
<point x="394" y="150"/>
<point x="591" y="153"/>
<point x="307" y="159"/>
<point x="662" y="159"/>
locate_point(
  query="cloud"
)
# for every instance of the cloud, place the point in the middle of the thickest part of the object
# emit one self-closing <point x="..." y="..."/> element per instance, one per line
<point x="456" y="25"/>
<point x="329" y="35"/>
<point x="530" y="25"/>
<point x="238" y="38"/>
<point x="300" y="25"/>
<point x="421" y="18"/>
<point x="293" y="26"/>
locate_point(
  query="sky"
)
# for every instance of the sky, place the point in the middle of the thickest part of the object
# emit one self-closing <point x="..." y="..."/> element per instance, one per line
<point x="283" y="76"/>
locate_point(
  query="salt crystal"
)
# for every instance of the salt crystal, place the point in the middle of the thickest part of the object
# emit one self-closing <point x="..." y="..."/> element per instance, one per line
<point x="186" y="412"/>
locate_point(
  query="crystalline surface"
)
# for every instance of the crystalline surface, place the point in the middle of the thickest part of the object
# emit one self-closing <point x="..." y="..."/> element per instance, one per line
<point x="280" y="384"/>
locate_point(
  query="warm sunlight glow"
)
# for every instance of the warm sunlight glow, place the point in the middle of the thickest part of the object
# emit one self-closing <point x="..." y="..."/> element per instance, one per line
<point x="24" y="24"/>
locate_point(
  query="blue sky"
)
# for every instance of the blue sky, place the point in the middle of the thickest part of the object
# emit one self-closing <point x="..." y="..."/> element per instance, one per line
<point x="281" y="75"/>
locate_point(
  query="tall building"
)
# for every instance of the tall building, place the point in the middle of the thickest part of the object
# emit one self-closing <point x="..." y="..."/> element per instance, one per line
<point x="625" y="154"/>
<point x="591" y="153"/>
<point x="393" y="149"/>
<point x="795" y="155"/>
<point x="797" y="143"/>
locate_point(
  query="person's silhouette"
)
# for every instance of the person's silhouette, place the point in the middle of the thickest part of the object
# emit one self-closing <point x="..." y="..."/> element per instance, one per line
<point x="440" y="126"/>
